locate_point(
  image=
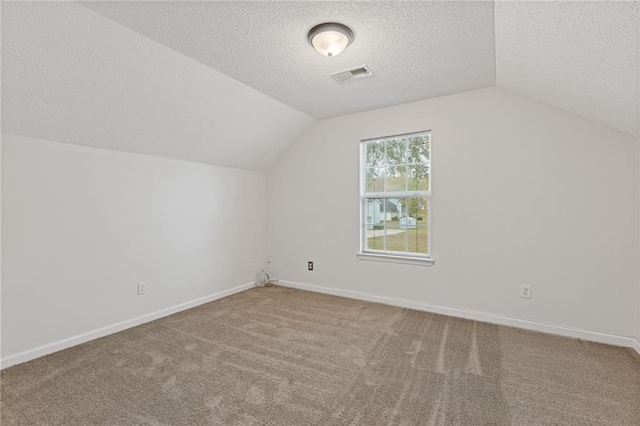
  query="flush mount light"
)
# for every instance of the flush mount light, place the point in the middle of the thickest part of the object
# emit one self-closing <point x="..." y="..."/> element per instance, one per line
<point x="330" y="38"/>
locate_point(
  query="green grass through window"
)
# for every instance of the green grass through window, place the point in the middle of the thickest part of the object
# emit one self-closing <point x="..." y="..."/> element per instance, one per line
<point x="417" y="239"/>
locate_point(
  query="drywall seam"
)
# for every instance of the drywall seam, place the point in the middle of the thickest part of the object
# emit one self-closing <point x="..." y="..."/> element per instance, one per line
<point x="560" y="330"/>
<point x="114" y="328"/>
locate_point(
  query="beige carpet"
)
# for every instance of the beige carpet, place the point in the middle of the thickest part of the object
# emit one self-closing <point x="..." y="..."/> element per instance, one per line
<point x="277" y="356"/>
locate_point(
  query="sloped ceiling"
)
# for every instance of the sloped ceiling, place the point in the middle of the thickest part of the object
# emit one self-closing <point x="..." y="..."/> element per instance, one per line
<point x="72" y="75"/>
<point x="582" y="57"/>
<point x="236" y="83"/>
<point x="417" y="50"/>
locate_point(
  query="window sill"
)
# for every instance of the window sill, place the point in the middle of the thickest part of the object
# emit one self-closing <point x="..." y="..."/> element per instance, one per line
<point x="422" y="261"/>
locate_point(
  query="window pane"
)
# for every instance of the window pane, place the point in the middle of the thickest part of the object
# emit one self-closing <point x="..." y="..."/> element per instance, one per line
<point x="418" y="149"/>
<point x="395" y="235"/>
<point x="375" y="154"/>
<point x="375" y="179"/>
<point x="375" y="238"/>
<point x="396" y="178"/>
<point x="416" y="224"/>
<point x="418" y="178"/>
<point x="397" y="151"/>
<point x="373" y="214"/>
<point x="374" y="227"/>
<point x="392" y="209"/>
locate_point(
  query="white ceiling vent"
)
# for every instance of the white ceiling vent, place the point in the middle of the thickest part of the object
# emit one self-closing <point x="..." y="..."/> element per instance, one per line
<point x="352" y="74"/>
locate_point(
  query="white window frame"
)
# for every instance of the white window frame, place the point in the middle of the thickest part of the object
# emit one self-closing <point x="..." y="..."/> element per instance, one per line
<point x="383" y="255"/>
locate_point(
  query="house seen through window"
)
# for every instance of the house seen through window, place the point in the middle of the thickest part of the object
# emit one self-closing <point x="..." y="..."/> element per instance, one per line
<point x="395" y="195"/>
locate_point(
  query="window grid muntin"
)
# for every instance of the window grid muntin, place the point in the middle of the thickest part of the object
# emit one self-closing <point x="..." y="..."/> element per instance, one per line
<point x="407" y="253"/>
<point x="366" y="196"/>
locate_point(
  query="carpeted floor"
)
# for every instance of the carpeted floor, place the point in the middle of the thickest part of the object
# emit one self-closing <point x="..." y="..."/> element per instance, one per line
<point x="276" y="356"/>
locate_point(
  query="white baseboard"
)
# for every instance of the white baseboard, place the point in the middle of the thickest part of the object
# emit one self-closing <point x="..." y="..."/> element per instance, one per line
<point x="566" y="331"/>
<point x="403" y="303"/>
<point x="38" y="352"/>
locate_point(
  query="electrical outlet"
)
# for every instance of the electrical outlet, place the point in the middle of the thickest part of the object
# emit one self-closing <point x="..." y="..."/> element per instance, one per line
<point x="525" y="291"/>
<point x="250" y="262"/>
<point x="310" y="265"/>
<point x="142" y="288"/>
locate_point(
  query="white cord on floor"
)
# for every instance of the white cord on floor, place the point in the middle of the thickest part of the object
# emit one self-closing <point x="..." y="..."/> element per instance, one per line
<point x="263" y="279"/>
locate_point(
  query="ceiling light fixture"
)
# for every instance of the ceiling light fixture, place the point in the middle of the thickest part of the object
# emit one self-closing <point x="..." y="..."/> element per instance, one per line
<point x="330" y="38"/>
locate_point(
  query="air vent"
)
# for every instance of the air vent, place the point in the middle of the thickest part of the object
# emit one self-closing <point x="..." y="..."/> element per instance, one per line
<point x="352" y="74"/>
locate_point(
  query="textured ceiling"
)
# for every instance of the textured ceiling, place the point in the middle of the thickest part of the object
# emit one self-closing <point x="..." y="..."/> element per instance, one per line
<point x="72" y="75"/>
<point x="581" y="57"/>
<point x="416" y="50"/>
<point x="235" y="83"/>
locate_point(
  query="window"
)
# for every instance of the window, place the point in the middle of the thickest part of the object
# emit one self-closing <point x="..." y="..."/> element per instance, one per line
<point x="396" y="198"/>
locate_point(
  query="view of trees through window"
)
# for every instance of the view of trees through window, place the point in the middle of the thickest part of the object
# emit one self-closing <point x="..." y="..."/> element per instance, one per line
<point x="396" y="173"/>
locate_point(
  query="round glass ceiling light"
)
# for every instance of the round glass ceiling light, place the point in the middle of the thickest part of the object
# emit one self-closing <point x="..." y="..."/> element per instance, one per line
<point x="330" y="38"/>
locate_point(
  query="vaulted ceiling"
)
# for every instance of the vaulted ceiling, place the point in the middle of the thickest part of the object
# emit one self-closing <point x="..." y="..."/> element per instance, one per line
<point x="417" y="50"/>
<point x="236" y="83"/>
<point x="581" y="57"/>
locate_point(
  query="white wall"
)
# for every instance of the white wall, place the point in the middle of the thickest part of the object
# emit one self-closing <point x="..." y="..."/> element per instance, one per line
<point x="1" y="209"/>
<point x="522" y="193"/>
<point x="637" y="252"/>
<point x="638" y="214"/>
<point x="81" y="226"/>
